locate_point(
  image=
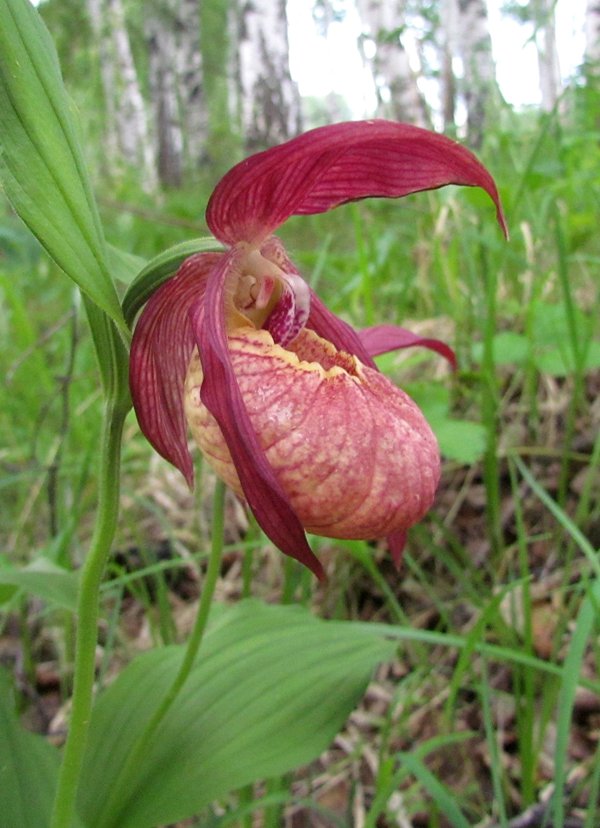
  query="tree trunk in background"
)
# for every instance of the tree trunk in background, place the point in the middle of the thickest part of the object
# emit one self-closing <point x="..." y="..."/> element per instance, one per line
<point x="126" y="129"/>
<point x="218" y="42"/>
<point x="175" y="78"/>
<point x="398" y="94"/>
<point x="162" y="64"/>
<point x="467" y="37"/>
<point x="548" y="67"/>
<point x="191" y="91"/>
<point x="269" y="101"/>
<point x="592" y="34"/>
<point x="479" y="70"/>
<point x="447" y="45"/>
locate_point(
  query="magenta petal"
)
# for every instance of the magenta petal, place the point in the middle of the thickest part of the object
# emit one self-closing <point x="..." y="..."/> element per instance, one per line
<point x="396" y="544"/>
<point x="160" y="353"/>
<point x="381" y="339"/>
<point x="334" y="164"/>
<point x="339" y="333"/>
<point x="221" y="395"/>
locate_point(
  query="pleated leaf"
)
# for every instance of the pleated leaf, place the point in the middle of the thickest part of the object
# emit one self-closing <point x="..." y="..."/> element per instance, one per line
<point x="28" y="769"/>
<point x="42" y="168"/>
<point x="271" y="688"/>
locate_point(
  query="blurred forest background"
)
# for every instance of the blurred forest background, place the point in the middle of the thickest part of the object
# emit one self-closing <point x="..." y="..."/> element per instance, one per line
<point x="171" y="86"/>
<point x="490" y="715"/>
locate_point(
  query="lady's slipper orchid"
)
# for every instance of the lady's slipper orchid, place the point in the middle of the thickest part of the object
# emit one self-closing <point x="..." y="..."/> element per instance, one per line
<point x="283" y="397"/>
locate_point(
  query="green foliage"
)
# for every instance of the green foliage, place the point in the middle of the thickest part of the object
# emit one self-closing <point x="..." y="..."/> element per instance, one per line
<point x="270" y="689"/>
<point x="28" y="768"/>
<point x="224" y="140"/>
<point x="42" y="578"/>
<point x="39" y="146"/>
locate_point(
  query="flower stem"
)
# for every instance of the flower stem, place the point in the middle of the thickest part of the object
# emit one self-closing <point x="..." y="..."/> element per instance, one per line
<point x="140" y="748"/>
<point x="87" y="615"/>
<point x="197" y="634"/>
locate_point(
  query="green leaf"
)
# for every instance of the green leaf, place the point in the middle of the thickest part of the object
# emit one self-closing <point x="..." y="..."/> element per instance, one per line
<point x="161" y="268"/>
<point x="41" y="163"/>
<point x="271" y="688"/>
<point x="554" y="350"/>
<point x="509" y="348"/>
<point x="124" y="266"/>
<point x="433" y="399"/>
<point x="28" y="769"/>
<point x="559" y="362"/>
<point x="460" y="440"/>
<point x="45" y="579"/>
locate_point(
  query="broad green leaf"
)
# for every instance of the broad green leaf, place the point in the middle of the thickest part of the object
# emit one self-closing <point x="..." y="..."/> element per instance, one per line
<point x="460" y="440"/>
<point x="41" y="163"/>
<point x="559" y="362"/>
<point x="433" y="398"/>
<point x="554" y="350"/>
<point x="28" y="769"/>
<point x="509" y="348"/>
<point x="45" y="579"/>
<point x="271" y="688"/>
<point x="124" y="266"/>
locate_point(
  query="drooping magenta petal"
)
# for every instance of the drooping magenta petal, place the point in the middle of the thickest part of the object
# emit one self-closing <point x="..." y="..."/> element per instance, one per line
<point x="335" y="164"/>
<point x="160" y="352"/>
<point x="396" y="543"/>
<point x="340" y="333"/>
<point x="380" y="339"/>
<point x="221" y="395"/>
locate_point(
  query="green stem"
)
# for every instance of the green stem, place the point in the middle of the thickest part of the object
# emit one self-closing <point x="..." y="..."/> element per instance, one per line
<point x="140" y="748"/>
<point x="87" y="615"/>
<point x="490" y="411"/>
<point x="208" y="589"/>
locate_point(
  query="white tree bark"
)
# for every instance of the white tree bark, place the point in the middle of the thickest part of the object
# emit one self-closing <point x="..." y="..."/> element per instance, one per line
<point x="548" y="66"/>
<point x="162" y="55"/>
<point x="449" y="38"/>
<point x="127" y="130"/>
<point x="175" y="74"/>
<point x="189" y="70"/>
<point x="398" y="93"/>
<point x="467" y="38"/>
<point x="592" y="33"/>
<point x="269" y="102"/>
<point x="478" y="65"/>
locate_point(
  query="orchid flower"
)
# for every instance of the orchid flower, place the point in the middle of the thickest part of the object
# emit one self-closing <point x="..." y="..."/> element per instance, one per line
<point x="282" y="397"/>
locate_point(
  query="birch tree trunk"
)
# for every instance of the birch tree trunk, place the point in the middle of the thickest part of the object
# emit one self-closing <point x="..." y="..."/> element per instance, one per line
<point x="218" y="42"/>
<point x="548" y="66"/>
<point x="269" y="102"/>
<point x="175" y="76"/>
<point x="447" y="39"/>
<point x="163" y="94"/>
<point x="467" y="38"/>
<point x="191" y="89"/>
<point x="592" y="34"/>
<point x="398" y="93"/>
<point x="127" y="137"/>
<point x="478" y="66"/>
